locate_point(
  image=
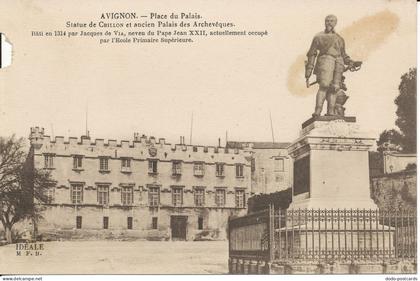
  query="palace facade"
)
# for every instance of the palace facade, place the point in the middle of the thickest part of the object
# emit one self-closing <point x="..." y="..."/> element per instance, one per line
<point x="144" y="188"/>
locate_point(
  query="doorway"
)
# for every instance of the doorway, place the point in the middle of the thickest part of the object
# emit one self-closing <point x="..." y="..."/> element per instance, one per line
<point x="179" y="227"/>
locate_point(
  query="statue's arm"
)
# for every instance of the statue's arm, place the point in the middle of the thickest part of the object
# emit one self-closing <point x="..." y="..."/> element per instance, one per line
<point x="346" y="57"/>
<point x="311" y="55"/>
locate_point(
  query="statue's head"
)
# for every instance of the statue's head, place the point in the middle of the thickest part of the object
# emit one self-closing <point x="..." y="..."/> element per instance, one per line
<point x="330" y="22"/>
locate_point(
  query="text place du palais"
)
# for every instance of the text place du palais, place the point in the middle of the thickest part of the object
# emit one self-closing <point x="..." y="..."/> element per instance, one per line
<point x="118" y="20"/>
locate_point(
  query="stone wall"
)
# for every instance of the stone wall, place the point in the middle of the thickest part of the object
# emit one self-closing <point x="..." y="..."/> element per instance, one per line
<point x="249" y="266"/>
<point x="59" y="222"/>
<point x="395" y="191"/>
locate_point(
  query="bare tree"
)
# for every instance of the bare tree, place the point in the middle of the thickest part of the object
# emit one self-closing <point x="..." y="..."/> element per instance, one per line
<point x="22" y="187"/>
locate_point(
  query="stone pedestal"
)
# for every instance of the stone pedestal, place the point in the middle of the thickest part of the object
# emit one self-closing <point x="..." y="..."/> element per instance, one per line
<point x="331" y="165"/>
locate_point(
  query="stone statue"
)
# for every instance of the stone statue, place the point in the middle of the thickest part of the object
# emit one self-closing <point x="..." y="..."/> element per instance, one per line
<point x="328" y="50"/>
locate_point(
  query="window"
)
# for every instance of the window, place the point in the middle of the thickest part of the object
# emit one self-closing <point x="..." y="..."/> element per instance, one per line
<point x="177" y="196"/>
<point x="199" y="169"/>
<point x="77" y="193"/>
<point x="78" y="222"/>
<point x="199" y="196"/>
<point x="153" y="196"/>
<point x="153" y="166"/>
<point x="176" y="168"/>
<point x="239" y="170"/>
<point x="200" y="223"/>
<point x="220" y="169"/>
<point x="154" y="223"/>
<point x="240" y="199"/>
<point x="48" y="161"/>
<point x="220" y="197"/>
<point x="103" y="164"/>
<point x="103" y="194"/>
<point x="106" y="222"/>
<point x="127" y="195"/>
<point x="50" y="195"/>
<point x="129" y="222"/>
<point x="77" y="162"/>
<point x="125" y="165"/>
<point x="279" y="164"/>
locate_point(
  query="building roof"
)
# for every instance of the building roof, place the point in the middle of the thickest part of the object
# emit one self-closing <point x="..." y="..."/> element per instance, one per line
<point x="257" y="145"/>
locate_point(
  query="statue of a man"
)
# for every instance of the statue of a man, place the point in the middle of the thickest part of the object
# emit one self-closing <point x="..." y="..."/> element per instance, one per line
<point x="328" y="50"/>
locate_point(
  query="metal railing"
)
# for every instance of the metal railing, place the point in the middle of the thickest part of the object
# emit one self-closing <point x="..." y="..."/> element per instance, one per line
<point x="324" y="235"/>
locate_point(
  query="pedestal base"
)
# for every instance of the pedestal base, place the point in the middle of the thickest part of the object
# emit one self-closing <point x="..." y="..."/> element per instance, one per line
<point x="331" y="165"/>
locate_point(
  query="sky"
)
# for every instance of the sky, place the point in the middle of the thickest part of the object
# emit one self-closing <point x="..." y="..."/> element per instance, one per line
<point x="228" y="84"/>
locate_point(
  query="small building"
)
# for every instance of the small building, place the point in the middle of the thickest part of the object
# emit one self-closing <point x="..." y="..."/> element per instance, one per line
<point x="144" y="188"/>
<point x="271" y="165"/>
<point x="396" y="162"/>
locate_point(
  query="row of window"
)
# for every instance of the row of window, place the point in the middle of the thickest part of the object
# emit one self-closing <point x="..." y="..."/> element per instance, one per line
<point x="154" y="196"/>
<point x="152" y="167"/>
<point x="105" y="222"/>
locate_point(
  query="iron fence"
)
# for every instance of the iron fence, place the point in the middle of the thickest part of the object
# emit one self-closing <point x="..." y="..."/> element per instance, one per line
<point x="324" y="235"/>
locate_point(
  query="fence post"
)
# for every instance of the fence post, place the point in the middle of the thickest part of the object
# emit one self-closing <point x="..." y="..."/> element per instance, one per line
<point x="228" y="234"/>
<point x="270" y="235"/>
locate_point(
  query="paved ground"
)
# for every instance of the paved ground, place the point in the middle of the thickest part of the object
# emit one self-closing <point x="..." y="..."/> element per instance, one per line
<point x="115" y="257"/>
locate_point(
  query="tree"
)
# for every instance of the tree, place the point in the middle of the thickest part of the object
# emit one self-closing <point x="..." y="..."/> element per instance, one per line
<point x="389" y="140"/>
<point x="407" y="110"/>
<point x="21" y="186"/>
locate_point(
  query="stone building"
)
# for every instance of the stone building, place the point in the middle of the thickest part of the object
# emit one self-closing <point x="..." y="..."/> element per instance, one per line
<point x="396" y="162"/>
<point x="145" y="188"/>
<point x="271" y="166"/>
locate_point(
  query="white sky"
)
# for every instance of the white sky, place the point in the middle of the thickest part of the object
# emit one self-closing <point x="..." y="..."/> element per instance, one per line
<point x="230" y="83"/>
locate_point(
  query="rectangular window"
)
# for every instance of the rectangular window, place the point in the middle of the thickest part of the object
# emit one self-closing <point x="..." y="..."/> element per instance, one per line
<point x="199" y="196"/>
<point x="154" y="196"/>
<point x="106" y="222"/>
<point x="200" y="223"/>
<point x="154" y="223"/>
<point x="103" y="194"/>
<point x="220" y="197"/>
<point x="48" y="161"/>
<point x="103" y="164"/>
<point x="77" y="162"/>
<point x="130" y="223"/>
<point x="127" y="195"/>
<point x="125" y="165"/>
<point x="199" y="169"/>
<point x="176" y="168"/>
<point x="279" y="164"/>
<point x="240" y="198"/>
<point x="153" y="166"/>
<point x="76" y="193"/>
<point x="177" y="193"/>
<point x="220" y="169"/>
<point x="239" y="170"/>
<point x="78" y="222"/>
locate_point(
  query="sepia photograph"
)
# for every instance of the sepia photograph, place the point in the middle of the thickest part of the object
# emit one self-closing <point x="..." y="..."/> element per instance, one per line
<point x="208" y="138"/>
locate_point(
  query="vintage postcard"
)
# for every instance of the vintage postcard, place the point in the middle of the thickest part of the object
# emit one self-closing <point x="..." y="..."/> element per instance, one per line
<point x="208" y="137"/>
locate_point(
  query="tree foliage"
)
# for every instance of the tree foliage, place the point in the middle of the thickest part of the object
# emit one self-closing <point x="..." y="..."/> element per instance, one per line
<point x="404" y="139"/>
<point x="407" y="110"/>
<point x="389" y="140"/>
